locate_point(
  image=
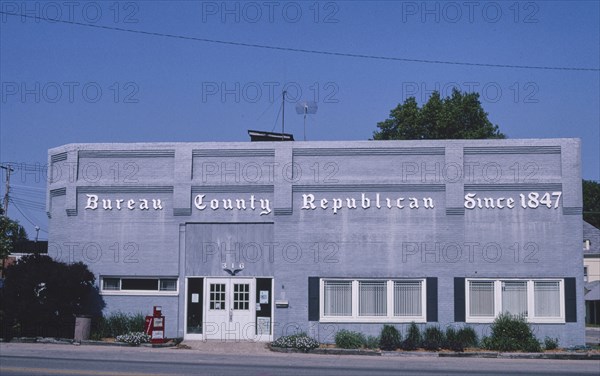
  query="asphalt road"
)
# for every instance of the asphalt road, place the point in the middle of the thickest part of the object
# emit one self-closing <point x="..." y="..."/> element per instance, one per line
<point x="40" y="359"/>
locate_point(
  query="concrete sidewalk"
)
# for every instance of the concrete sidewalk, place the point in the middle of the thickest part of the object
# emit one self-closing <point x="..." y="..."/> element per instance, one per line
<point x="221" y="347"/>
<point x="592" y="336"/>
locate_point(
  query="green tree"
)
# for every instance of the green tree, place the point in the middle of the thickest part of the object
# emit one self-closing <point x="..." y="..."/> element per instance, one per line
<point x="43" y="294"/>
<point x="459" y="116"/>
<point x="591" y="202"/>
<point x="10" y="233"/>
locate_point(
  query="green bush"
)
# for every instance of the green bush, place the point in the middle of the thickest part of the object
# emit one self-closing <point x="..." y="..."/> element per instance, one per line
<point x="372" y="342"/>
<point x="346" y="339"/>
<point x="433" y="338"/>
<point x="137" y="322"/>
<point x="98" y="330"/>
<point x="532" y="345"/>
<point x="413" y="338"/>
<point x="118" y="323"/>
<point x="550" y="343"/>
<point x="299" y="341"/>
<point x="511" y="333"/>
<point x="451" y="341"/>
<point x="390" y="338"/>
<point x="486" y="343"/>
<point x="449" y="337"/>
<point x="467" y="337"/>
<point x="458" y="340"/>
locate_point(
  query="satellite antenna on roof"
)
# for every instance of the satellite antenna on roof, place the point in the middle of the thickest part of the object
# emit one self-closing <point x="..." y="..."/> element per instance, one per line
<point x="306" y="107"/>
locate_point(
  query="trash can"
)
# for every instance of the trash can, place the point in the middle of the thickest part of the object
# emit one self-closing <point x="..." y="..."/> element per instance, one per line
<point x="83" y="325"/>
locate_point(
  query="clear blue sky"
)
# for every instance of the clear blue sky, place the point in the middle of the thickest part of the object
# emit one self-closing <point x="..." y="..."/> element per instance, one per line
<point x="161" y="88"/>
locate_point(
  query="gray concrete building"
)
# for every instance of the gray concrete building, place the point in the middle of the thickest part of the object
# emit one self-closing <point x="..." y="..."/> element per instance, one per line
<point x="252" y="241"/>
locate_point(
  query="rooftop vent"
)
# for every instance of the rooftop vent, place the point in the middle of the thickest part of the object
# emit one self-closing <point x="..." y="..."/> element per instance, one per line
<point x="269" y="136"/>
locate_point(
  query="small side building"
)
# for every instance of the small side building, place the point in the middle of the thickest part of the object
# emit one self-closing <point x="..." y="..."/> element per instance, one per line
<point x="23" y="248"/>
<point x="591" y="273"/>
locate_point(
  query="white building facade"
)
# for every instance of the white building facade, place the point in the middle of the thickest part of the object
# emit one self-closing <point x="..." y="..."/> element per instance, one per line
<point x="252" y="241"/>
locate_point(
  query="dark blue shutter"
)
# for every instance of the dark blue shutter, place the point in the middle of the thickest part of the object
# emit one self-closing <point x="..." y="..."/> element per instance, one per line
<point x="570" y="300"/>
<point x="313" y="298"/>
<point x="432" y="299"/>
<point x="459" y="300"/>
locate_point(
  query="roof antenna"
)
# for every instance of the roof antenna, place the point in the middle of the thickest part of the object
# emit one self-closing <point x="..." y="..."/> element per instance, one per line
<point x="306" y="107"/>
<point x="283" y="114"/>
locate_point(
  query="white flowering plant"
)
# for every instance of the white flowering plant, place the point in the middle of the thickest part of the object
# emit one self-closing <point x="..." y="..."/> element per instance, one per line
<point x="299" y="341"/>
<point x="134" y="338"/>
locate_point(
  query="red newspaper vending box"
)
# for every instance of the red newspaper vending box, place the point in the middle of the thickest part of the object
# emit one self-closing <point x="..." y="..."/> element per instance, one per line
<point x="155" y="326"/>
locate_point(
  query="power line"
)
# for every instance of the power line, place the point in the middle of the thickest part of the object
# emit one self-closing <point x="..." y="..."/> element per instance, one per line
<point x="301" y="50"/>
<point x="277" y="118"/>
<point x="28" y="204"/>
<point x="28" y="200"/>
<point x="29" y="194"/>
<point x="28" y="187"/>
<point x="28" y="220"/>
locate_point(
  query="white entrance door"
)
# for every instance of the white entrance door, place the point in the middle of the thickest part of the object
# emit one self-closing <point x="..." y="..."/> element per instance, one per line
<point x="230" y="309"/>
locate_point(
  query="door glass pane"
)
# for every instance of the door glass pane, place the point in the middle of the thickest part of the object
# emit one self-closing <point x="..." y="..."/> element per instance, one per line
<point x="217" y="296"/>
<point x="194" y="305"/>
<point x="481" y="298"/>
<point x="338" y="298"/>
<point x="241" y="296"/>
<point x="407" y="298"/>
<point x="514" y="297"/>
<point x="372" y="298"/>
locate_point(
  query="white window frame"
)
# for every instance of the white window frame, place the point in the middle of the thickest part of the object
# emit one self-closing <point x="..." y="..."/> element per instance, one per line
<point x="356" y="318"/>
<point x="156" y="292"/>
<point x="530" y="300"/>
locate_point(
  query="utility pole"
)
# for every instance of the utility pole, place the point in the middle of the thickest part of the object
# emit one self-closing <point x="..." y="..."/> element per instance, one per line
<point x="8" y="171"/>
<point x="283" y="114"/>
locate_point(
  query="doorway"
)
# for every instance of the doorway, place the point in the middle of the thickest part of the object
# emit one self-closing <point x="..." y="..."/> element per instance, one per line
<point x="229" y="309"/>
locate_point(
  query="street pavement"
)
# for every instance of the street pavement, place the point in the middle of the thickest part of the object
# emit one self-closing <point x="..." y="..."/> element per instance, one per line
<point x="253" y="359"/>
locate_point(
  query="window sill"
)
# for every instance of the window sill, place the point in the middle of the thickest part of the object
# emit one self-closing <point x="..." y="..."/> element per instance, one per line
<point x="558" y="320"/>
<point x="140" y="293"/>
<point x="376" y="319"/>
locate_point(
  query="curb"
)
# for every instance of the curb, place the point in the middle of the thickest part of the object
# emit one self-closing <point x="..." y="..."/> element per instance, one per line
<point x="478" y="354"/>
<point x="102" y="343"/>
<point x="326" y="351"/>
<point x="567" y="356"/>
<point x="410" y="354"/>
<point x="68" y="341"/>
<point x="499" y="355"/>
<point x="335" y="351"/>
<point x="346" y="352"/>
